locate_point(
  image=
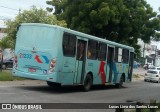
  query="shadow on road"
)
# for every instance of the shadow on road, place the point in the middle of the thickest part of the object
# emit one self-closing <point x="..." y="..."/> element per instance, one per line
<point x="66" y="89"/>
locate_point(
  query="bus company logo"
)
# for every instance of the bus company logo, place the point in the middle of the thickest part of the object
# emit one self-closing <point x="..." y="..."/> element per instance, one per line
<point x="6" y="106"/>
<point x="40" y="59"/>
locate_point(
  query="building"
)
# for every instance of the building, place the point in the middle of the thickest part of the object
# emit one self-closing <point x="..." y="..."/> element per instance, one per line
<point x="2" y="29"/>
<point x="150" y="53"/>
<point x="7" y="53"/>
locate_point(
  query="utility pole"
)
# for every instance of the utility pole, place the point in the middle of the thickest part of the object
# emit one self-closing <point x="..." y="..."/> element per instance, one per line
<point x="1" y="60"/>
<point x="143" y="54"/>
<point x="155" y="55"/>
<point x="19" y="11"/>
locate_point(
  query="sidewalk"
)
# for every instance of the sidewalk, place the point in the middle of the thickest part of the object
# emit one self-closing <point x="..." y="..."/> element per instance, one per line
<point x="138" y="79"/>
<point x="140" y="72"/>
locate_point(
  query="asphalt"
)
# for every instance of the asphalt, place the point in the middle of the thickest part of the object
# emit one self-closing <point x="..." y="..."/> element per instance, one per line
<point x="35" y="91"/>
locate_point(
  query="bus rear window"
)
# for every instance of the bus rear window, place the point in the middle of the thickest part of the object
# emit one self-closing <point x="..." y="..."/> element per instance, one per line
<point x="36" y="36"/>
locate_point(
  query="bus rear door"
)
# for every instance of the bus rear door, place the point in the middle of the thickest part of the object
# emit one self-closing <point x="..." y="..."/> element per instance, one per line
<point x="110" y="58"/>
<point x="80" y="61"/>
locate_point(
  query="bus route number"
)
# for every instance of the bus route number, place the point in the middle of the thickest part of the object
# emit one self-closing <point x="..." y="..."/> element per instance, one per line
<point x="27" y="56"/>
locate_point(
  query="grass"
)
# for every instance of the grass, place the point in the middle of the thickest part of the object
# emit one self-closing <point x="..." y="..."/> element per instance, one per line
<point x="7" y="76"/>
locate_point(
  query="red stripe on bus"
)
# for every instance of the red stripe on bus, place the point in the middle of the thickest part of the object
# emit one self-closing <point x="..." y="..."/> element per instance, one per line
<point x="37" y="58"/>
<point x="102" y="72"/>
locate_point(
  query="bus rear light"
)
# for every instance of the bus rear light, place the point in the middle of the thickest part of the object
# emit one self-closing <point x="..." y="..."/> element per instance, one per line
<point x="15" y="61"/>
<point x="52" y="65"/>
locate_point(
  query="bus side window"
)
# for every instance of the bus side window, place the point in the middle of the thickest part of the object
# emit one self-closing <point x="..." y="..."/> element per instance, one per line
<point x="80" y="50"/>
<point x="89" y="53"/>
<point x="69" y="45"/>
<point x="116" y="54"/>
<point x="92" y="49"/>
<point x="102" y="52"/>
<point x="109" y="56"/>
<point x="125" y="55"/>
<point x="119" y="54"/>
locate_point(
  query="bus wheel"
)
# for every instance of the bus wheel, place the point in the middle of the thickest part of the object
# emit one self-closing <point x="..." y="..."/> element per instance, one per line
<point x="88" y="83"/>
<point x="120" y="84"/>
<point x="53" y="84"/>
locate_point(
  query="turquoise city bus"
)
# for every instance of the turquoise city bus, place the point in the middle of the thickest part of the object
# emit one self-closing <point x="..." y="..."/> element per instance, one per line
<point x="61" y="56"/>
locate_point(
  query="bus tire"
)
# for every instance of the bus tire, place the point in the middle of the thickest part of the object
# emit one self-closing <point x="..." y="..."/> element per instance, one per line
<point x="88" y="83"/>
<point x="53" y="84"/>
<point x="120" y="84"/>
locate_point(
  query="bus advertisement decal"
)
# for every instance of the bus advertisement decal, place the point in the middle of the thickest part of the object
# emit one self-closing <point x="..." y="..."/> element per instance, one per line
<point x="102" y="72"/>
<point x="115" y="72"/>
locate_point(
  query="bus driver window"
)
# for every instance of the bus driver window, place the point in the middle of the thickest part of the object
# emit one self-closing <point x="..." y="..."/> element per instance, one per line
<point x="80" y="52"/>
<point x="89" y="53"/>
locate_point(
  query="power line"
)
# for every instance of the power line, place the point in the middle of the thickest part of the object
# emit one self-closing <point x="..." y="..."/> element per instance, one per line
<point x="8" y="8"/>
<point x="4" y="18"/>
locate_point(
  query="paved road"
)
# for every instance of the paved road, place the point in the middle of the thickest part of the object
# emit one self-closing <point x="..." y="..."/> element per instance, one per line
<point x="32" y="91"/>
<point x="39" y="92"/>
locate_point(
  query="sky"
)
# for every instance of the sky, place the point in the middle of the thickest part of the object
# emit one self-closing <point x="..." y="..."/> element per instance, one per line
<point x="155" y="4"/>
<point x="10" y="8"/>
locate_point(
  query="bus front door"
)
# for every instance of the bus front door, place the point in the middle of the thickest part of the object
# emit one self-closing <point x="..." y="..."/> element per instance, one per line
<point x="80" y="61"/>
<point x="110" y="58"/>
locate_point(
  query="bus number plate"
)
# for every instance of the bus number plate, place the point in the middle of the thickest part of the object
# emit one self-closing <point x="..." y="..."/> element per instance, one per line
<point x="32" y="69"/>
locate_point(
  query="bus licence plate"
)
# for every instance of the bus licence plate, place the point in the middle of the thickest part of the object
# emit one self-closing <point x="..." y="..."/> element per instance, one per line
<point x="32" y="69"/>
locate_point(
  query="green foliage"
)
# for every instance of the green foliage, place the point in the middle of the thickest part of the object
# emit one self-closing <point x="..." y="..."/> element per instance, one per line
<point x="33" y="15"/>
<point x="130" y="19"/>
<point x="7" y="76"/>
<point x="157" y="36"/>
<point x="6" y="43"/>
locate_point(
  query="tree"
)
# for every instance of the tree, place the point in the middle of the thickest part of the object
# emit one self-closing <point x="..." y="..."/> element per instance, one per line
<point x="33" y="15"/>
<point x="122" y="21"/>
<point x="6" y="43"/>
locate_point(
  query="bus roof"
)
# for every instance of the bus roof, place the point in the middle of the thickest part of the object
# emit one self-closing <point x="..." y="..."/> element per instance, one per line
<point x="80" y="34"/>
